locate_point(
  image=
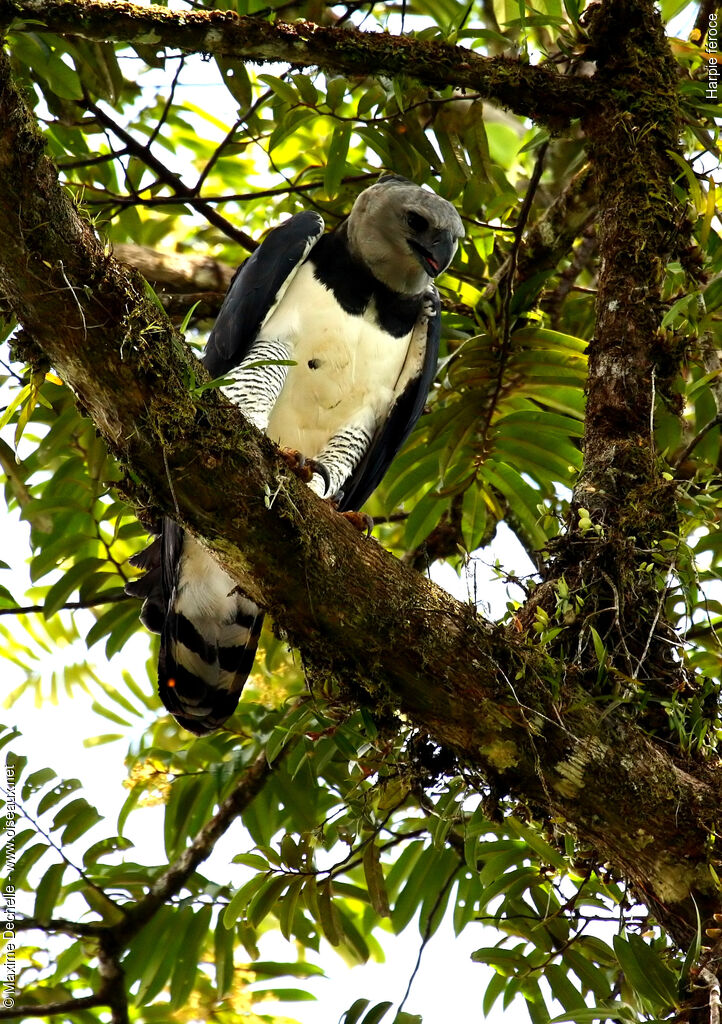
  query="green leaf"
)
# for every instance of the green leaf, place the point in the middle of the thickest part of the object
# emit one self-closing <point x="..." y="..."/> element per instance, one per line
<point x="240" y="900"/>
<point x="48" y="892"/>
<point x="693" y="952"/>
<point x="376" y="1014"/>
<point x="619" y="1012"/>
<point x="58" y="793"/>
<point x="187" y="963"/>
<point x="36" y="780"/>
<point x="473" y="517"/>
<point x="27" y="861"/>
<point x="646" y="972"/>
<point x="223" y="942"/>
<point x="160" y="961"/>
<point x="353" y="1014"/>
<point x="15" y="404"/>
<point x="289" y="903"/>
<point x="328" y="915"/>
<point x="187" y="318"/>
<point x="82" y="821"/>
<point x="104" y="848"/>
<point x="265" y="899"/>
<point x="307" y="90"/>
<point x="252" y="860"/>
<point x="285" y="90"/>
<point x="424" y="516"/>
<point x="375" y="879"/>
<point x="71" y="579"/>
<point x="336" y="159"/>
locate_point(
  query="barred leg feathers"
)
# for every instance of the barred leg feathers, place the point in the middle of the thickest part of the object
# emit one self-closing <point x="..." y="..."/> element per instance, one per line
<point x="340" y="456"/>
<point x="256" y="382"/>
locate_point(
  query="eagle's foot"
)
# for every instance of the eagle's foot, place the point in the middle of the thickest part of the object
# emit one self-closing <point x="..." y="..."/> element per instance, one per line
<point x="305" y="469"/>
<point x="361" y="521"/>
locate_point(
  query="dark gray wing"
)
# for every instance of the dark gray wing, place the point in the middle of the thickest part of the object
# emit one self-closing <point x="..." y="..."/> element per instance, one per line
<point x="401" y="420"/>
<point x="257" y="288"/>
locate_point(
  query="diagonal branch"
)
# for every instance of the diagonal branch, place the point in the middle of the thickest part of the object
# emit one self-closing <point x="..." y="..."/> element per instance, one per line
<point x="538" y="92"/>
<point x="182" y="192"/>
<point x="47" y="1010"/>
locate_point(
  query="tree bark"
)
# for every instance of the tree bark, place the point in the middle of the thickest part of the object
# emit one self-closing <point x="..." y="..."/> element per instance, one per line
<point x="538" y="92"/>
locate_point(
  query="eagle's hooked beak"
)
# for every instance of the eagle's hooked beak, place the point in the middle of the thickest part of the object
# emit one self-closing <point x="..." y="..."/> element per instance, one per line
<point x="434" y="250"/>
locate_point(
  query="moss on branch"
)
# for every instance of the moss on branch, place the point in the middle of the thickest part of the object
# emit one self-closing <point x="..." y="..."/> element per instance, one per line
<point x="538" y="92"/>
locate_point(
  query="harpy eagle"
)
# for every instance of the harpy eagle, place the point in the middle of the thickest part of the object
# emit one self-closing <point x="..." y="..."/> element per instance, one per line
<point x="356" y="314"/>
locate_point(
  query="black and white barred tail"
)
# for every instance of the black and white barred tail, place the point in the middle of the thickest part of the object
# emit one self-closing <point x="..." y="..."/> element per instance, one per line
<point x="209" y="629"/>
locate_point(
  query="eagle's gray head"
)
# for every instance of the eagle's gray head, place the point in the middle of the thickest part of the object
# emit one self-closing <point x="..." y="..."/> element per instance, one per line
<point x="404" y="234"/>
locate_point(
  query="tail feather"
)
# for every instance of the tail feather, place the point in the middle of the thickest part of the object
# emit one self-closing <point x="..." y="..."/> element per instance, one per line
<point x="149" y="586"/>
<point x="209" y="629"/>
<point x="201" y="688"/>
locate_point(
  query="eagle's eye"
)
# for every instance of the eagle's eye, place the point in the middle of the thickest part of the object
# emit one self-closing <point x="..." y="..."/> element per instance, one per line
<point x="416" y="222"/>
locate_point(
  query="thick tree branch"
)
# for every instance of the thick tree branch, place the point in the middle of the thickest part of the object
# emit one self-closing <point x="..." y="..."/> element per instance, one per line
<point x="178" y="272"/>
<point x="477" y="689"/>
<point x="640" y="226"/>
<point x="538" y="92"/>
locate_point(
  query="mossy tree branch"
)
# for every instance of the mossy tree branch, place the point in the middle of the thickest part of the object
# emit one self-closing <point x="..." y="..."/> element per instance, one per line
<point x="539" y="92"/>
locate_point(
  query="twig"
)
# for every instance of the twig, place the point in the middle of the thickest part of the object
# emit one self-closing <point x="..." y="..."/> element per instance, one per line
<point x="172" y="881"/>
<point x="427" y="934"/>
<point x="67" y="1006"/>
<point x="92" y="602"/>
<point x="508" y="285"/>
<point x="75" y="298"/>
<point x="91" y="161"/>
<point x="173" y="181"/>
<point x="169" y="101"/>
<point x="232" y="197"/>
<point x="215" y="156"/>
<point x="660" y="605"/>
<point x="617" y="622"/>
<point x="59" y="925"/>
<point x="699" y="436"/>
<point x="518" y="236"/>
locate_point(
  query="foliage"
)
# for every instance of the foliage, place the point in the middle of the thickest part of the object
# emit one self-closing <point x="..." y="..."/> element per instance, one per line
<point x="364" y="826"/>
